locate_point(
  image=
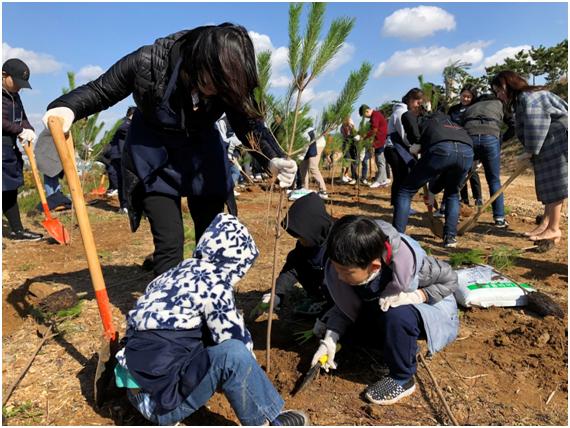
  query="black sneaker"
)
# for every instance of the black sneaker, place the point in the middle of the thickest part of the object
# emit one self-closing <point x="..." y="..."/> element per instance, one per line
<point x="292" y="418"/>
<point x="386" y="391"/>
<point x="450" y="241"/>
<point x="501" y="223"/>
<point x="25" y="235"/>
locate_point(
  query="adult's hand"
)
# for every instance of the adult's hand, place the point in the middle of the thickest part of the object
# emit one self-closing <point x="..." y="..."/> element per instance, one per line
<point x="62" y="112"/>
<point x="415" y="149"/>
<point x="284" y="169"/>
<point x="27" y="135"/>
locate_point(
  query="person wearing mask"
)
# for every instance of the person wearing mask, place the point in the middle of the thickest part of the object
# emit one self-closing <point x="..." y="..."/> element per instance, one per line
<point x="467" y="96"/>
<point x="541" y="124"/>
<point x="378" y="129"/>
<point x="15" y="127"/>
<point x="398" y="145"/>
<point x="181" y="84"/>
<point x="447" y="154"/>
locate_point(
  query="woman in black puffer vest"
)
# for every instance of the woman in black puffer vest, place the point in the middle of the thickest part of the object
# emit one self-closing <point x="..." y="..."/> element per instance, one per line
<point x="182" y="84"/>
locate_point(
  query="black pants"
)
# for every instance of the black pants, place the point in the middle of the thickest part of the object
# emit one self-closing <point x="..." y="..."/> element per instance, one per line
<point x="11" y="210"/>
<point x="475" y="187"/>
<point x="399" y="171"/>
<point x="164" y="213"/>
<point x="116" y="166"/>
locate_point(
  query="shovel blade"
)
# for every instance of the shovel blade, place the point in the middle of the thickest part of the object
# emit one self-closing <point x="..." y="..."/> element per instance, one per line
<point x="99" y="191"/>
<point x="56" y="230"/>
<point x="309" y="377"/>
<point x="104" y="374"/>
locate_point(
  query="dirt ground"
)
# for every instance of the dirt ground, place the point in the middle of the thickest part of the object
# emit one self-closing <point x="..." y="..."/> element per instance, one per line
<point x="507" y="367"/>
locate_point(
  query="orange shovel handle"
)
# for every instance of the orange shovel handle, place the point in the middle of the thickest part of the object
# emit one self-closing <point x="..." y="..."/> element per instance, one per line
<point x="65" y="149"/>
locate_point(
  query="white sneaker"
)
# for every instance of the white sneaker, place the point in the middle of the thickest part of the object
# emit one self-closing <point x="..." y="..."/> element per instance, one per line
<point x="375" y="185"/>
<point x="365" y="182"/>
<point x="299" y="193"/>
<point x="352" y="182"/>
<point x="345" y="179"/>
<point x="112" y="193"/>
<point x="236" y="193"/>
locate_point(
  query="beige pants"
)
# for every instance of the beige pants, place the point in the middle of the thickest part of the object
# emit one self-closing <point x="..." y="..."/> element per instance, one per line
<point x="312" y="165"/>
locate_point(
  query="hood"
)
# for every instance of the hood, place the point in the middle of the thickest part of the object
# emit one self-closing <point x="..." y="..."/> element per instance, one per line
<point x="308" y="219"/>
<point x="228" y="245"/>
<point x="399" y="106"/>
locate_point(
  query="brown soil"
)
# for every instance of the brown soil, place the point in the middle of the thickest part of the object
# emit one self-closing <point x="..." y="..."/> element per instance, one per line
<point x="508" y="366"/>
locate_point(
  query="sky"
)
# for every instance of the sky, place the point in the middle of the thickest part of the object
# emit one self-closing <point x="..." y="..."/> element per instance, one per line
<point x="400" y="40"/>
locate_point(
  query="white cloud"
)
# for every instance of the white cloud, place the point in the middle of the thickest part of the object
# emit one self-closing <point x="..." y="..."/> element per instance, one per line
<point x="343" y="56"/>
<point x="321" y="98"/>
<point x="499" y="56"/>
<point x="39" y="63"/>
<point x="417" y="22"/>
<point x="429" y="60"/>
<point x="280" y="77"/>
<point x="261" y="42"/>
<point x="88" y="73"/>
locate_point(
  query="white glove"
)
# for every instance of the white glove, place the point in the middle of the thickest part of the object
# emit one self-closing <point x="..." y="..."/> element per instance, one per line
<point x="415" y="149"/>
<point x="328" y="348"/>
<point x="524" y="157"/>
<point x="357" y="137"/>
<point x="263" y="305"/>
<point x="395" y="300"/>
<point x="27" y="135"/>
<point x="284" y="169"/>
<point x="320" y="328"/>
<point x="62" y="112"/>
<point x="266" y="298"/>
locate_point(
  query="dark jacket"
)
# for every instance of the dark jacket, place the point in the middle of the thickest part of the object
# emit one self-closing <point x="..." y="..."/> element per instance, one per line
<point x="437" y="128"/>
<point x="484" y="117"/>
<point x="456" y="112"/>
<point x="117" y="143"/>
<point x="14" y="121"/>
<point x="159" y="162"/>
<point x="308" y="219"/>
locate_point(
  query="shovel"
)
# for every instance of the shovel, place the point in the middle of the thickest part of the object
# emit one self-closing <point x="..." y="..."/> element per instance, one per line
<point x="468" y="224"/>
<point x="110" y="340"/>
<point x="53" y="226"/>
<point x="435" y="224"/>
<point x="313" y="371"/>
<point x="100" y="191"/>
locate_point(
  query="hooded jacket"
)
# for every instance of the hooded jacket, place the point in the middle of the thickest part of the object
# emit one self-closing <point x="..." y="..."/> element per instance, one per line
<point x="307" y="219"/>
<point x="185" y="309"/>
<point x="396" y="132"/>
<point x="409" y="269"/>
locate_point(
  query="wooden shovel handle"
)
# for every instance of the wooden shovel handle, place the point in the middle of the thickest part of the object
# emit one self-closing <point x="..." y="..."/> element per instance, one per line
<point x="467" y="224"/>
<point x="39" y="184"/>
<point x="55" y="125"/>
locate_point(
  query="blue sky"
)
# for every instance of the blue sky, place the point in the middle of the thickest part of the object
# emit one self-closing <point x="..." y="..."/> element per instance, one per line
<point x="401" y="40"/>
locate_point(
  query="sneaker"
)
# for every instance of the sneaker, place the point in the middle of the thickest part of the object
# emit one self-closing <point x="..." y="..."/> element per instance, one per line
<point x="345" y="179"/>
<point x="25" y="235"/>
<point x="439" y="213"/>
<point x="236" y="193"/>
<point x="450" y="242"/>
<point x="365" y="182"/>
<point x="123" y="211"/>
<point x="291" y="418"/>
<point x="257" y="178"/>
<point x="112" y="193"/>
<point x="387" y="391"/>
<point x="299" y="193"/>
<point x="352" y="182"/>
<point x="323" y="194"/>
<point x="375" y="185"/>
<point x="501" y="223"/>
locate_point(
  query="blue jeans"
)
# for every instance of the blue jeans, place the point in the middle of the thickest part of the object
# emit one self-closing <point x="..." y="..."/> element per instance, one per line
<point x="51" y="185"/>
<point x="487" y="149"/>
<point x="235" y="173"/>
<point x="381" y="174"/>
<point x="236" y="372"/>
<point x="367" y="157"/>
<point x="451" y="161"/>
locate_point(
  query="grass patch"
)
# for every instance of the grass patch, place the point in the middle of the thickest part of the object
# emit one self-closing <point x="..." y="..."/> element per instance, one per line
<point x="72" y="312"/>
<point x="189" y="237"/>
<point x="26" y="410"/>
<point x="105" y="255"/>
<point x="504" y="257"/>
<point x="471" y="257"/>
<point x="28" y="202"/>
<point x="508" y="210"/>
<point x="25" y="267"/>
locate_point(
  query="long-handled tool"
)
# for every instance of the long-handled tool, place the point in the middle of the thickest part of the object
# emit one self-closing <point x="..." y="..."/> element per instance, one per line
<point x="466" y="225"/>
<point x="435" y="224"/>
<point x="109" y="344"/>
<point x="53" y="226"/>
<point x="313" y="371"/>
<point x="100" y="191"/>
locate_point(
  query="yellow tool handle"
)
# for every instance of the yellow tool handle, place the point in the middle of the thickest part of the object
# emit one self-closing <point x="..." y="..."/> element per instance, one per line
<point x="325" y="357"/>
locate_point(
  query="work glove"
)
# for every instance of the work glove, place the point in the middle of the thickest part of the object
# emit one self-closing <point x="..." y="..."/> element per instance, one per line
<point x="263" y="305"/>
<point x="62" y="112"/>
<point x="357" y="137"/>
<point x="284" y="169"/>
<point x="395" y="300"/>
<point x="27" y="135"/>
<point x="328" y="348"/>
<point x="524" y="157"/>
<point x="415" y="149"/>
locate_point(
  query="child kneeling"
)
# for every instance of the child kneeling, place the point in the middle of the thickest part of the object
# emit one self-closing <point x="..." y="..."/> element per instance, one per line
<point x="186" y="339"/>
<point x="384" y="282"/>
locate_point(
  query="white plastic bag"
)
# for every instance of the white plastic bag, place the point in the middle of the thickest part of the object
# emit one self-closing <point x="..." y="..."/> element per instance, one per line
<point x="482" y="286"/>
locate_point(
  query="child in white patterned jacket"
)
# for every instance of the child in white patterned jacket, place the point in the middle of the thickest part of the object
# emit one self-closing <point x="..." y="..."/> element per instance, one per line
<point x="186" y="338"/>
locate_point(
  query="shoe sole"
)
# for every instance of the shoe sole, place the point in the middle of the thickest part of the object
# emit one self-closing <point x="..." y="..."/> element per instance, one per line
<point x="450" y="246"/>
<point x="26" y="240"/>
<point x="393" y="400"/>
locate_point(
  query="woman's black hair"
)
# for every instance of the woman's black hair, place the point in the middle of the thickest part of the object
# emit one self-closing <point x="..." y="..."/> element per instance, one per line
<point x="413" y="94"/>
<point x="223" y="56"/>
<point x="470" y="88"/>
<point x="355" y="241"/>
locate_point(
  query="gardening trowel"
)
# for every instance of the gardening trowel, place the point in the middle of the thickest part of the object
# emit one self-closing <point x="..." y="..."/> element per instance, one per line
<point x="110" y="342"/>
<point x="313" y="371"/>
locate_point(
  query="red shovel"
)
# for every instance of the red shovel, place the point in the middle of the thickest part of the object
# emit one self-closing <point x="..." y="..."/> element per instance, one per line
<point x="100" y="191"/>
<point x="109" y="344"/>
<point x="53" y="226"/>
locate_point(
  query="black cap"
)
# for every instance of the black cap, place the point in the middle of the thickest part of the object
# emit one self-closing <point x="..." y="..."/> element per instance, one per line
<point x="362" y="109"/>
<point x="18" y="71"/>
